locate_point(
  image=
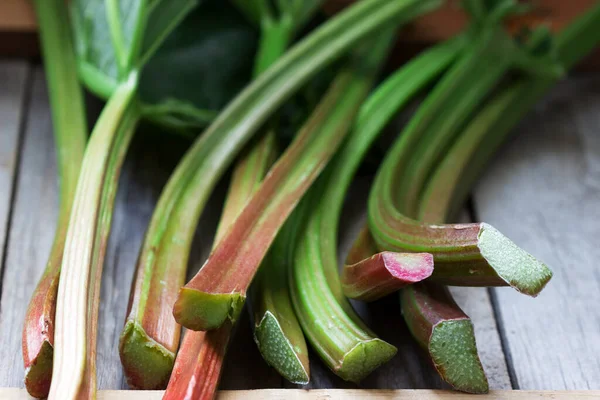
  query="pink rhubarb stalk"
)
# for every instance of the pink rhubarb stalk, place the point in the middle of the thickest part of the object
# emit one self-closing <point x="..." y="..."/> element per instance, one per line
<point x="443" y="329"/>
<point x="369" y="277"/>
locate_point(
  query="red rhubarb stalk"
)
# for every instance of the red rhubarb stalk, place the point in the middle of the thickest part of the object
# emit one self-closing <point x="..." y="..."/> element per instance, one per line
<point x="217" y="293"/>
<point x="443" y="329"/>
<point x="198" y="365"/>
<point x="169" y="236"/>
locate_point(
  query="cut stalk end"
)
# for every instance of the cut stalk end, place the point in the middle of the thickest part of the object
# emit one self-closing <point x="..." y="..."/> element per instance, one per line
<point x="39" y="374"/>
<point x="279" y="352"/>
<point x="514" y="265"/>
<point x="201" y="311"/>
<point x="385" y="273"/>
<point x="364" y="358"/>
<point x="147" y="364"/>
<point x="454" y="354"/>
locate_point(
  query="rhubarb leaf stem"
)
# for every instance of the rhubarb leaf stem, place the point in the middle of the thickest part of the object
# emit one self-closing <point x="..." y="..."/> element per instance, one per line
<point x="78" y="289"/>
<point x="339" y="336"/>
<point x="477" y="252"/>
<point x="441" y="328"/>
<point x="70" y="129"/>
<point x="218" y="291"/>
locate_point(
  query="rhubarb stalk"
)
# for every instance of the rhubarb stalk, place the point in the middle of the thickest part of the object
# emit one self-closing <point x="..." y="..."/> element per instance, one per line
<point x="329" y="322"/>
<point x="275" y="85"/>
<point x="70" y="131"/>
<point x="277" y="332"/>
<point x="369" y="275"/>
<point x="132" y="40"/>
<point x="453" y="179"/>
<point x="199" y="362"/>
<point x="477" y="253"/>
<point x="87" y="235"/>
<point x="430" y="312"/>
<point x="151" y="335"/>
<point x="440" y="326"/>
<point x="217" y="293"/>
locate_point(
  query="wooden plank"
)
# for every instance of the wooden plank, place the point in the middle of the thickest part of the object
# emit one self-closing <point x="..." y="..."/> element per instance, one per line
<point x="342" y="394"/>
<point x="543" y="191"/>
<point x="13" y="78"/>
<point x="31" y="228"/>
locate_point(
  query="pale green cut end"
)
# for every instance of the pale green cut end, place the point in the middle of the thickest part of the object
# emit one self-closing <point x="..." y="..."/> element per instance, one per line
<point x="201" y="311"/>
<point x="278" y="351"/>
<point x="146" y="363"/>
<point x="514" y="265"/>
<point x="364" y="358"/>
<point x="454" y="353"/>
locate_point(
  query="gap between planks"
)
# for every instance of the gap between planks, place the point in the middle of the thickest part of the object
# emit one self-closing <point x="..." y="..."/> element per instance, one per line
<point x="333" y="394"/>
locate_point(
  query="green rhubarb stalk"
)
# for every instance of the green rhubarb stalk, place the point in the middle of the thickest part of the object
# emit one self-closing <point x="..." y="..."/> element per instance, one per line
<point x="443" y="329"/>
<point x="151" y="335"/>
<point x="166" y="246"/>
<point x="466" y="159"/>
<point x="87" y="235"/>
<point x="277" y="332"/>
<point x="199" y="361"/>
<point x="217" y="293"/>
<point x="329" y="322"/>
<point x="477" y="252"/>
<point x="74" y="374"/>
<point x="366" y="275"/>
<point x="70" y="131"/>
<point x="255" y="104"/>
<point x="430" y="312"/>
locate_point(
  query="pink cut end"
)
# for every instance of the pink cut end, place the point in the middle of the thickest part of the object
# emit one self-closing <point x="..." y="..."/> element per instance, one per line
<point x="409" y="267"/>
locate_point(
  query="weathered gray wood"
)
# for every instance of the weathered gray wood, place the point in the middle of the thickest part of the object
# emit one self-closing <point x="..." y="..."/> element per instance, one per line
<point x="13" y="86"/>
<point x="33" y="218"/>
<point x="543" y="191"/>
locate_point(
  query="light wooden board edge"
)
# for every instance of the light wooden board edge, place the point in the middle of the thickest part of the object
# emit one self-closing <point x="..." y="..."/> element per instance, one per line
<point x="17" y="15"/>
<point x="330" y="394"/>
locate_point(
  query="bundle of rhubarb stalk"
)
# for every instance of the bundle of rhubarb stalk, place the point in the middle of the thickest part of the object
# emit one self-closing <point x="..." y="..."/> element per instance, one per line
<point x="290" y="99"/>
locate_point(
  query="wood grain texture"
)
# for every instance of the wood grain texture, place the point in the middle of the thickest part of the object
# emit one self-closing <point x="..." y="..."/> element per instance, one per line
<point x="342" y="394"/>
<point x="13" y="92"/>
<point x="33" y="218"/>
<point x="543" y="191"/>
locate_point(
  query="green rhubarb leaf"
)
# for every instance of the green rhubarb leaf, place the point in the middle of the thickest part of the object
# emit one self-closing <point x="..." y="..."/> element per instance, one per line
<point x="209" y="59"/>
<point x="208" y="51"/>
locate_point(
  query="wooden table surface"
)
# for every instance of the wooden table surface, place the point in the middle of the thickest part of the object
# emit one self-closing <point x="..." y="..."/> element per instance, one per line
<point x="542" y="190"/>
